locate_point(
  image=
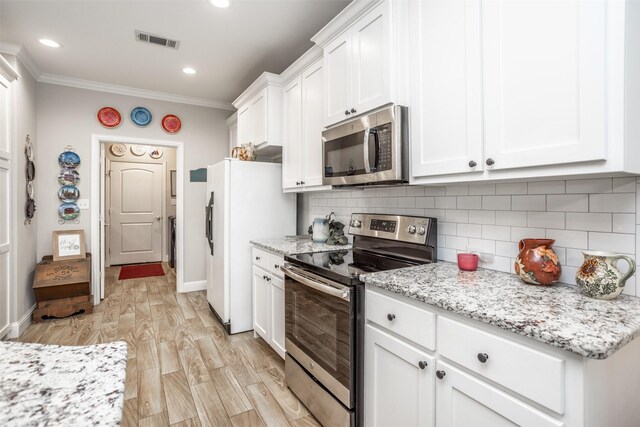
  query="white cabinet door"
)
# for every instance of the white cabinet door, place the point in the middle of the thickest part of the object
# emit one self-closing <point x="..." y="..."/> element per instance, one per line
<point x="261" y="303"/>
<point x="337" y="64"/>
<point x="463" y="400"/>
<point x="399" y="387"/>
<point x="446" y="77"/>
<point x="277" y="316"/>
<point x="245" y="125"/>
<point x="544" y="82"/>
<point x="371" y="55"/>
<point x="293" y="136"/>
<point x="6" y="191"/>
<point x="259" y="118"/>
<point x="312" y="106"/>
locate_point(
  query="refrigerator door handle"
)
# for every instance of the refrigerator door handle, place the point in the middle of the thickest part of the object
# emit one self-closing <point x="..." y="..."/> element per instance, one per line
<point x="209" y="223"/>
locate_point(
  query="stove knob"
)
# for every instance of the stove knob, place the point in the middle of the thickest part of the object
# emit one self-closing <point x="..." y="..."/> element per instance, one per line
<point x="421" y="230"/>
<point x="412" y="229"/>
<point x="355" y="223"/>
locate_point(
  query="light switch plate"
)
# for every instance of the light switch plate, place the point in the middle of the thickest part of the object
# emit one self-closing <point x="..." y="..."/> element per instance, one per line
<point x="83" y="204"/>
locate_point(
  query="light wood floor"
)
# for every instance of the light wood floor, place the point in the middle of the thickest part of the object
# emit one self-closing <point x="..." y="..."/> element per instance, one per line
<point x="183" y="369"/>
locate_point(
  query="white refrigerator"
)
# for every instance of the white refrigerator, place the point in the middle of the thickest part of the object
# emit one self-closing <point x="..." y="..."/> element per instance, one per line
<point x="244" y="202"/>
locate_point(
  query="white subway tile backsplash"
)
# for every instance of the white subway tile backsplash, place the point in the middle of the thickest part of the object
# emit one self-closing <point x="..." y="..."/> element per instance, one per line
<point x="496" y="203"/>
<point x="568" y="203"/>
<point x="616" y="203"/>
<point x="614" y="242"/>
<point x="601" y="185"/>
<point x="568" y="274"/>
<point x="624" y="223"/>
<point x="528" y="203"/>
<point x="545" y="219"/>
<point x="482" y="217"/>
<point x="589" y="221"/>
<point x="546" y="187"/>
<point x="568" y="239"/>
<point x="469" y="202"/>
<point x="491" y="218"/>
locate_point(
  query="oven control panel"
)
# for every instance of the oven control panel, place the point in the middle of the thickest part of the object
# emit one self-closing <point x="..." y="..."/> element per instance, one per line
<point x="412" y="229"/>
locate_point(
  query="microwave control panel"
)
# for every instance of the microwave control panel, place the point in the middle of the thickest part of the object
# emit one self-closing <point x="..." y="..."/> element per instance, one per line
<point x="385" y="156"/>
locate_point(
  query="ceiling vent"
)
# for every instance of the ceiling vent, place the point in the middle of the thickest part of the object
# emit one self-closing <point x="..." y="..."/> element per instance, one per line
<point x="141" y="36"/>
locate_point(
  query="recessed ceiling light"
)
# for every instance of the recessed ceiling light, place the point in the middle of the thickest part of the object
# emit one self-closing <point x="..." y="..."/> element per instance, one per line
<point x="50" y="43"/>
<point x="219" y="3"/>
<point x="188" y="70"/>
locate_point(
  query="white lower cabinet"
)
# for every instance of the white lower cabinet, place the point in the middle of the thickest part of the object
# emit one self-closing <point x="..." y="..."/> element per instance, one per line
<point x="401" y="376"/>
<point x="463" y="400"/>
<point x="268" y="298"/>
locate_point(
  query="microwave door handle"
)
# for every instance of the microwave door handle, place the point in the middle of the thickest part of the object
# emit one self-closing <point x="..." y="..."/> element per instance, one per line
<point x="376" y="139"/>
<point x="318" y="286"/>
<point x="365" y="145"/>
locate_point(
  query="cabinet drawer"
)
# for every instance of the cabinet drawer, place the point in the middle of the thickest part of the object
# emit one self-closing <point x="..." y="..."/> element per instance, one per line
<point x="404" y="319"/>
<point x="529" y="372"/>
<point x="260" y="258"/>
<point x="275" y="262"/>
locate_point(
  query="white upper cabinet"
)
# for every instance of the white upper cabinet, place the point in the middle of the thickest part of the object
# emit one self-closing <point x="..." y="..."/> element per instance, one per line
<point x="523" y="89"/>
<point x="544" y="82"/>
<point x="260" y="115"/>
<point x="292" y="150"/>
<point x="446" y="103"/>
<point x="359" y="64"/>
<point x="312" y="112"/>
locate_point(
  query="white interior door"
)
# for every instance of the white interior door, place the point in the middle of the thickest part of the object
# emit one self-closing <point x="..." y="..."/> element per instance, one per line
<point x="136" y="212"/>
<point x="5" y="204"/>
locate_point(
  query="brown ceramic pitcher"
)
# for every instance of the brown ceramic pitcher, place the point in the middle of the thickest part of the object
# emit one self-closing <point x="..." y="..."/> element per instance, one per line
<point x="536" y="263"/>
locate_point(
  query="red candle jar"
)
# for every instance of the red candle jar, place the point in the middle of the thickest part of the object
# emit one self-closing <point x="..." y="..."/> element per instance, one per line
<point x="468" y="262"/>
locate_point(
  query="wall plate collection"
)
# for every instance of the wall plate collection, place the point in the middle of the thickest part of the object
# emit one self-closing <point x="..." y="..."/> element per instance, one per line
<point x="68" y="193"/>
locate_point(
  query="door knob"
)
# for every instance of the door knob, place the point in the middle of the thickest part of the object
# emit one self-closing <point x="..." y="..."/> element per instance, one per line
<point x="158" y="218"/>
<point x="422" y="364"/>
<point x="472" y="164"/>
<point x="490" y="162"/>
<point x="483" y="357"/>
<point x="440" y="374"/>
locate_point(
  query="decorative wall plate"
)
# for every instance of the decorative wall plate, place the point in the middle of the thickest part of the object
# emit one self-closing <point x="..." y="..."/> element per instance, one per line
<point x="68" y="193"/>
<point x="30" y="208"/>
<point x="140" y="116"/>
<point x="30" y="170"/>
<point x="69" y="160"/>
<point x="155" y="152"/>
<point x="118" y="150"/>
<point x="68" y="177"/>
<point x="30" y="189"/>
<point x="68" y="211"/>
<point x="138" y="150"/>
<point x="171" y="123"/>
<point x="28" y="149"/>
<point x="109" y="117"/>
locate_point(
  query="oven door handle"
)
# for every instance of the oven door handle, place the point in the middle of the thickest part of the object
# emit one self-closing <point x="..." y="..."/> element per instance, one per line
<point x="367" y="165"/>
<point x="306" y="279"/>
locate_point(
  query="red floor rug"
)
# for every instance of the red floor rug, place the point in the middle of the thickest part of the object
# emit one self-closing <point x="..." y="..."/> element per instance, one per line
<point x="142" y="270"/>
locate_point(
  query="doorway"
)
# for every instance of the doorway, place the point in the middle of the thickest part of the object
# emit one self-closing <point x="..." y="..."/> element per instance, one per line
<point x="137" y="192"/>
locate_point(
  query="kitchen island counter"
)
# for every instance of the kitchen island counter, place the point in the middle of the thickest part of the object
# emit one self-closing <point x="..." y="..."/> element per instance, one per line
<point x="557" y="315"/>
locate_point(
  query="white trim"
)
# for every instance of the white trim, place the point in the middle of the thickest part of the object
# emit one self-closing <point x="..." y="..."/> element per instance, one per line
<point x="307" y="58"/>
<point x="232" y="119"/>
<point x="131" y="91"/>
<point x="17" y="328"/>
<point x="97" y="210"/>
<point x="196" y="285"/>
<point x="7" y="70"/>
<point x="260" y="83"/>
<point x="349" y="15"/>
<point x="23" y="55"/>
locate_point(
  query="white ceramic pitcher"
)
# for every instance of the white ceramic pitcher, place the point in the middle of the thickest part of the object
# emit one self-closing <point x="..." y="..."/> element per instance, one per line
<point x="599" y="277"/>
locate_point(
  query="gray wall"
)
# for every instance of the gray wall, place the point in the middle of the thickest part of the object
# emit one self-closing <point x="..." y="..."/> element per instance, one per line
<point x="68" y="116"/>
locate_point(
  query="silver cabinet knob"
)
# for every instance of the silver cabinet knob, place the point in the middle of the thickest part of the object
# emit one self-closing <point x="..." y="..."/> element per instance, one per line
<point x="472" y="164"/>
<point x="346" y="112"/>
<point x="483" y="357"/>
<point x="391" y="316"/>
<point x="257" y="258"/>
<point x="422" y="364"/>
<point x="276" y="266"/>
<point x="440" y="374"/>
<point x="490" y="162"/>
<point x="353" y="110"/>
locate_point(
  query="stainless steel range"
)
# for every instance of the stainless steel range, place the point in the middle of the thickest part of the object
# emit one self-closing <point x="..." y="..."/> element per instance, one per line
<point x="324" y="310"/>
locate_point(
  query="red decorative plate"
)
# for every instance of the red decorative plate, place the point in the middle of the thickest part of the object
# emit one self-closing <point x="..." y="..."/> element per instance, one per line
<point x="109" y="117"/>
<point x="171" y="123"/>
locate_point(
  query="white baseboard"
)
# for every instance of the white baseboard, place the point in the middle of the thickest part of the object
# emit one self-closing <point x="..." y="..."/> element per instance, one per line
<point x="17" y="328"/>
<point x="197" y="285"/>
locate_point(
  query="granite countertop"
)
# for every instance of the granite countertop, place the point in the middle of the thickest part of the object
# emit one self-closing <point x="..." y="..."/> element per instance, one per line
<point x="46" y="385"/>
<point x="558" y="315"/>
<point x="290" y="245"/>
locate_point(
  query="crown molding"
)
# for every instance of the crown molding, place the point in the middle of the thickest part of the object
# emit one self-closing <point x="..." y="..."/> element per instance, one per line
<point x="307" y="58"/>
<point x="343" y="20"/>
<point x="260" y="83"/>
<point x="131" y="91"/>
<point x="232" y="119"/>
<point x="7" y="71"/>
<point x="23" y="55"/>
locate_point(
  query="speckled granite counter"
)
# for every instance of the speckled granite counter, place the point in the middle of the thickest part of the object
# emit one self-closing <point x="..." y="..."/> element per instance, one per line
<point x="558" y="315"/>
<point x="62" y="386"/>
<point x="296" y="245"/>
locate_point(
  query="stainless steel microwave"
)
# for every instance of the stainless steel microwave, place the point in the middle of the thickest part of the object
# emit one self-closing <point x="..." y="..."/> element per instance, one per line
<point x="371" y="149"/>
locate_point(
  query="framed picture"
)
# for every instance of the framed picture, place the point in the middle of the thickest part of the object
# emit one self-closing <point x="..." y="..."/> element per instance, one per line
<point x="68" y="244"/>
<point x="173" y="183"/>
